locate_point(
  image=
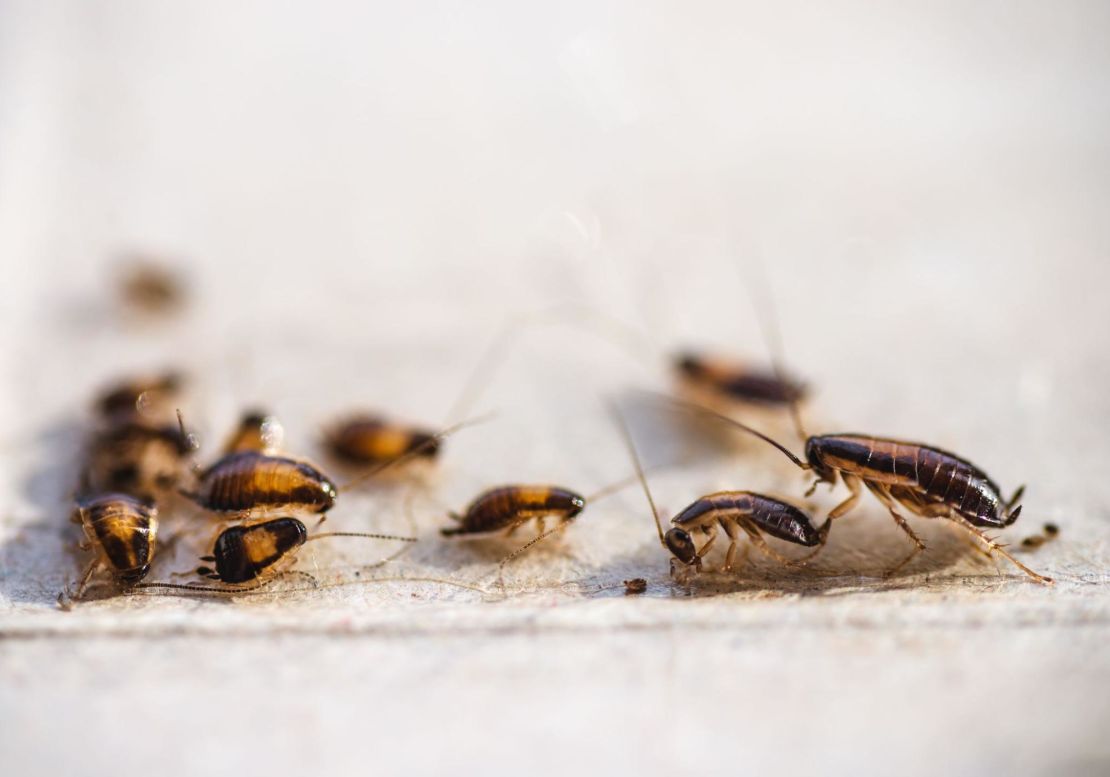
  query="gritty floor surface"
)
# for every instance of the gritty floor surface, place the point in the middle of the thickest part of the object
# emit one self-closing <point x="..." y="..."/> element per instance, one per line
<point x="359" y="200"/>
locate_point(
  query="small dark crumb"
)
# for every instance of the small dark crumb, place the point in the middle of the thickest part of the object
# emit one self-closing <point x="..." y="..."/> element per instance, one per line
<point x="1051" y="530"/>
<point x="636" y="585"/>
<point x="1035" y="541"/>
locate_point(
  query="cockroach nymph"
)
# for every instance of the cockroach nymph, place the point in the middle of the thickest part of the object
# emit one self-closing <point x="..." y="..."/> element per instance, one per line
<point x="1034" y="541"/>
<point x="133" y="399"/>
<point x="257" y="431"/>
<point x="732" y="511"/>
<point x="256" y="552"/>
<point x="121" y="530"/>
<point x="927" y="481"/>
<point x="150" y="287"/>
<point x="367" y="439"/>
<point x="135" y="458"/>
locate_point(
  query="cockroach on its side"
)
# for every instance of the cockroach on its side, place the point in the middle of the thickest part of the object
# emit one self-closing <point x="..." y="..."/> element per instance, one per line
<point x="257" y="431"/>
<point x="121" y="530"/>
<point x="257" y="552"/>
<point x="366" y="439"/>
<point x="252" y="484"/>
<point x="927" y="481"/>
<point x="732" y="511"/>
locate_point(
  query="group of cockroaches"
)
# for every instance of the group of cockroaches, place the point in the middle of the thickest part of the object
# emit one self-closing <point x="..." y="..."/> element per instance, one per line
<point x="141" y="458"/>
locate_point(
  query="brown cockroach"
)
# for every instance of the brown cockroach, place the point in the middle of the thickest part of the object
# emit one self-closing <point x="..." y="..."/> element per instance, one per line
<point x="367" y="439"/>
<point x="927" y="481"/>
<point x="506" y="508"/>
<point x="138" y="398"/>
<point x="121" y="530"/>
<point x="252" y="484"/>
<point x="135" y="458"/>
<point x="733" y="511"/>
<point x="257" y="431"/>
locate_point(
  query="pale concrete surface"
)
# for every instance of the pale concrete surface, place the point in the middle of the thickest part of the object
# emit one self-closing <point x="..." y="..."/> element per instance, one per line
<point x="361" y="197"/>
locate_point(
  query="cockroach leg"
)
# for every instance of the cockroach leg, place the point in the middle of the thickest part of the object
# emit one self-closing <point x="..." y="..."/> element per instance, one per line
<point x="994" y="547"/>
<point x="853" y="485"/>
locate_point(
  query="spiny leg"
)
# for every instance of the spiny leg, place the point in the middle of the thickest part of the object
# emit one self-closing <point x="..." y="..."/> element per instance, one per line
<point x="853" y="484"/>
<point x="885" y="497"/>
<point x="730" y="554"/>
<point x="563" y="523"/>
<point x="65" y="599"/>
<point x="993" y="547"/>
<point x="762" y="546"/>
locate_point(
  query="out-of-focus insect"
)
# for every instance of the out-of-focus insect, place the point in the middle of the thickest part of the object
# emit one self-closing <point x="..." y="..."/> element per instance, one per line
<point x="257" y="431"/>
<point x="135" y="458"/>
<point x="1034" y="541"/>
<point x="251" y="484"/>
<point x="636" y="585"/>
<point x="732" y="511"/>
<point x="135" y="399"/>
<point x="149" y="287"/>
<point x="505" y="509"/>
<point x="366" y="439"/>
<point x="712" y="378"/>
<point x="927" y="481"/>
<point x="121" y="531"/>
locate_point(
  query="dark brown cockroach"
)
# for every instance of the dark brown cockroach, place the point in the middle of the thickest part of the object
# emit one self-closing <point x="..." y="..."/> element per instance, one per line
<point x="927" y="481"/>
<point x="253" y="484"/>
<point x="734" y="381"/>
<point x="135" y="458"/>
<point x="257" y="552"/>
<point x="733" y="511"/>
<point x="121" y="530"/>
<point x="136" y="399"/>
<point x="373" y="440"/>
<point x="257" y="431"/>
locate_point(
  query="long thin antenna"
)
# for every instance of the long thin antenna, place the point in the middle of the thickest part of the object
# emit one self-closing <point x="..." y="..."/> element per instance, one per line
<point x="414" y="452"/>
<point x="690" y="407"/>
<point x="364" y="535"/>
<point x="624" y="336"/>
<point x="626" y="435"/>
<point x="763" y="302"/>
<point x="501" y="567"/>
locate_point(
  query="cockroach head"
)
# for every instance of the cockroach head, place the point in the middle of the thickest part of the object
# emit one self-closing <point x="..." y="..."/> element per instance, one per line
<point x="681" y="544"/>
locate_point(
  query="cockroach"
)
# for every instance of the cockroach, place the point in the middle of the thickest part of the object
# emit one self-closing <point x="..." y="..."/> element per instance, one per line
<point x="150" y="288"/>
<point x="367" y="439"/>
<point x="135" y="458"/>
<point x="257" y="431"/>
<point x="730" y="380"/>
<point x="252" y="484"/>
<point x="732" y="511"/>
<point x="121" y="530"/>
<point x="507" y="508"/>
<point x="1035" y="541"/>
<point x="137" y="398"/>
<point x="256" y="553"/>
<point x="927" y="481"/>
